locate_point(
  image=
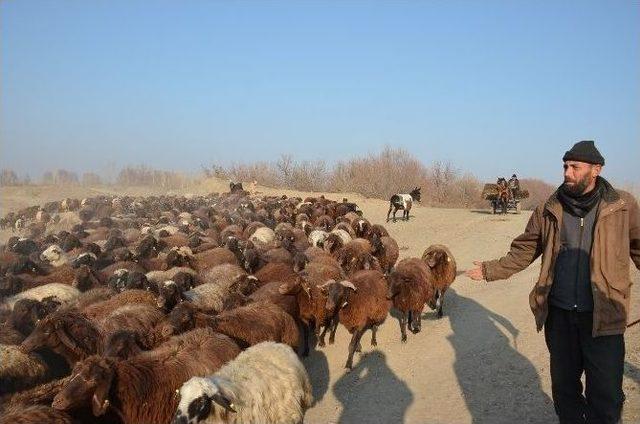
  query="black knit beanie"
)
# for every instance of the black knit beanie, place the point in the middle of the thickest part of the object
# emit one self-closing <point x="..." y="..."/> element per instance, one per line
<point x="584" y="151"/>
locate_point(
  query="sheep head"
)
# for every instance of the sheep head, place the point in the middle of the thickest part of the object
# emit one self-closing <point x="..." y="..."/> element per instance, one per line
<point x="66" y="333"/>
<point x="85" y="279"/>
<point x="337" y="294"/>
<point x="435" y="257"/>
<point x="52" y="254"/>
<point x="123" y="344"/>
<point x="197" y="398"/>
<point x="91" y="381"/>
<point x="170" y="295"/>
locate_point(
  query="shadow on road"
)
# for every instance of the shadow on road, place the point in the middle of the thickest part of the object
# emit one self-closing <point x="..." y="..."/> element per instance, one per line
<point x="371" y="392"/>
<point x="499" y="384"/>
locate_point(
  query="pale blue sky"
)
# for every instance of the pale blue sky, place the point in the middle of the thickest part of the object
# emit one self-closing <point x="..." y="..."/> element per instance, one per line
<point x="491" y="86"/>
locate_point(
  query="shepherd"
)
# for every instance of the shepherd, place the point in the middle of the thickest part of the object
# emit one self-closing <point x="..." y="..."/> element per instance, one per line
<point x="404" y="202"/>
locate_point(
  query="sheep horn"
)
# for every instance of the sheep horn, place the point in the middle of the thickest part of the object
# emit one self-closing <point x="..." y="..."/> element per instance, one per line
<point x="66" y="340"/>
<point x="348" y="284"/>
<point x="327" y="283"/>
<point x="221" y="400"/>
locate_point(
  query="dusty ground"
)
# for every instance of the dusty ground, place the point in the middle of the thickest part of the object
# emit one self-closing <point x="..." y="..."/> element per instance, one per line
<point x="483" y="362"/>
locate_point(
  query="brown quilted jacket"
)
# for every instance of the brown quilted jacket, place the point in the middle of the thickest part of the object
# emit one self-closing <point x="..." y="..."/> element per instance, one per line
<point x="616" y="240"/>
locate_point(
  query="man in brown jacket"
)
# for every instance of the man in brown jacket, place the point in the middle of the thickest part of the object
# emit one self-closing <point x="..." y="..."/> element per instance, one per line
<point x="586" y="232"/>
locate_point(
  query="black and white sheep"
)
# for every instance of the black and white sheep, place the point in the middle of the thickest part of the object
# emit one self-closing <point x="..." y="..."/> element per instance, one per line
<point x="266" y="384"/>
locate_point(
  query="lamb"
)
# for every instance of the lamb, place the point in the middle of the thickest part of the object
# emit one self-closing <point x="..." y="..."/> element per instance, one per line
<point x="362" y="305"/>
<point x="19" y="370"/>
<point x="267" y="383"/>
<point x="142" y="389"/>
<point x="410" y="288"/>
<point x="386" y="250"/>
<point x="443" y="271"/>
<point x="63" y="292"/>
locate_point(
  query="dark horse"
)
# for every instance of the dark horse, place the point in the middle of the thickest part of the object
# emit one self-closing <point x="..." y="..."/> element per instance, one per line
<point x="404" y="202"/>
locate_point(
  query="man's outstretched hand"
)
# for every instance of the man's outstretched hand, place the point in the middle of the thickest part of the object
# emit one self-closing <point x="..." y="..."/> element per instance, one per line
<point x="475" y="273"/>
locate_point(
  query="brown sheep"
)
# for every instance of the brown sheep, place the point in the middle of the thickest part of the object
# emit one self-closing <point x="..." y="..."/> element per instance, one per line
<point x="275" y="271"/>
<point x="106" y="272"/>
<point x="443" y="271"/>
<point x="142" y="388"/>
<point x="386" y="250"/>
<point x="311" y="301"/>
<point x="410" y="288"/>
<point x="66" y="333"/>
<point x="257" y="322"/>
<point x="362" y="305"/>
<point x="212" y="257"/>
<point x="35" y="414"/>
<point x="100" y="310"/>
<point x="362" y="227"/>
<point x="356" y="256"/>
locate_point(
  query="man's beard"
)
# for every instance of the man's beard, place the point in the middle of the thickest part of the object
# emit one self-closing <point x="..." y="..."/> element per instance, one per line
<point x="577" y="188"/>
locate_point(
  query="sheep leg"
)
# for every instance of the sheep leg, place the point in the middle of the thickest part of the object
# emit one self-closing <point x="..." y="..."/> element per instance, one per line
<point x="334" y="327"/>
<point x="321" y="342"/>
<point x="389" y="212"/>
<point x="374" y="330"/>
<point x="439" y="303"/>
<point x="355" y="340"/>
<point x="305" y="338"/>
<point x="395" y="210"/>
<point x="403" y="327"/>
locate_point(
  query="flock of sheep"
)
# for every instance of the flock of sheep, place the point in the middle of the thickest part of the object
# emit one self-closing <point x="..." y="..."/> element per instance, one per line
<point x="193" y="309"/>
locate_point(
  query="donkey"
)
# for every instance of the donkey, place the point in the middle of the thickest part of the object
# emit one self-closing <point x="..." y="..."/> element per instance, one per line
<point x="404" y="202"/>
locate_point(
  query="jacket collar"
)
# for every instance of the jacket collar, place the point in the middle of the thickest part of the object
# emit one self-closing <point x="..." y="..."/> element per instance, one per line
<point x="610" y="201"/>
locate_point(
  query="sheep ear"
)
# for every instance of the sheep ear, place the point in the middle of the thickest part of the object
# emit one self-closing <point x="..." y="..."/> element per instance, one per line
<point x="100" y="400"/>
<point x="349" y="285"/>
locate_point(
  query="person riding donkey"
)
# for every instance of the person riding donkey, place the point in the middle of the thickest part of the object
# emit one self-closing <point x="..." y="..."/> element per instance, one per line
<point x="586" y="232"/>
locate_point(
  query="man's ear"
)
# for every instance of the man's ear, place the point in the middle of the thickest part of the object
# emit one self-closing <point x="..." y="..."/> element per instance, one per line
<point x="596" y="170"/>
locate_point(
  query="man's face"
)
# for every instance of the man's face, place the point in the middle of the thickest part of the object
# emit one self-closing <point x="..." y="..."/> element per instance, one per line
<point x="579" y="176"/>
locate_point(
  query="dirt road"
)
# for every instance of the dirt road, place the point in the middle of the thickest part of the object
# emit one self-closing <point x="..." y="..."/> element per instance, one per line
<point x="483" y="362"/>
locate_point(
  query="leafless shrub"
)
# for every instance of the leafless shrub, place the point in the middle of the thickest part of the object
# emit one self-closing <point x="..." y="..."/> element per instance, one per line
<point x="146" y="176"/>
<point x="539" y="192"/>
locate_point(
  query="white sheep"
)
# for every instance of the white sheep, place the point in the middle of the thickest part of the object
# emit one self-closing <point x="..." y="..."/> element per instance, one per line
<point x="344" y="235"/>
<point x="54" y="255"/>
<point x="266" y="383"/>
<point x="160" y="277"/>
<point x="317" y="237"/>
<point x="65" y="293"/>
<point x="263" y="237"/>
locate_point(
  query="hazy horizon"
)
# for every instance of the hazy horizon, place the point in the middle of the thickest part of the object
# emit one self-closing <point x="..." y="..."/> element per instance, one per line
<point x="492" y="88"/>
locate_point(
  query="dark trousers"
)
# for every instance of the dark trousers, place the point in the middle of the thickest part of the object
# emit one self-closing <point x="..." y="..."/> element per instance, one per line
<point x="573" y="351"/>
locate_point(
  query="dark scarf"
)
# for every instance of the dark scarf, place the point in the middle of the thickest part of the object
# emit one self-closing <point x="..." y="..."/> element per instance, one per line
<point x="580" y="205"/>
